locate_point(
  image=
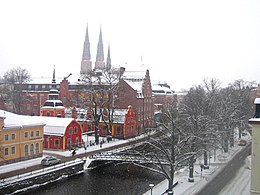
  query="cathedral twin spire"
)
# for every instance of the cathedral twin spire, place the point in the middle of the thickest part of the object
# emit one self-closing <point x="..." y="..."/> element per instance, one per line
<point x="86" y="63"/>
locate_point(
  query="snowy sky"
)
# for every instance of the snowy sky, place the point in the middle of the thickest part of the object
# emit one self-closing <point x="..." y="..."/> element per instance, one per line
<point x="180" y="42"/>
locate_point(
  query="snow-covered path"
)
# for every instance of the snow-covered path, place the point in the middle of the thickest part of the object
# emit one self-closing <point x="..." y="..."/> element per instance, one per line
<point x="240" y="185"/>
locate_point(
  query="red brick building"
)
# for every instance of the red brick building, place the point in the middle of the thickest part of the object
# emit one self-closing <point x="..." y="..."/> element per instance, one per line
<point x="134" y="88"/>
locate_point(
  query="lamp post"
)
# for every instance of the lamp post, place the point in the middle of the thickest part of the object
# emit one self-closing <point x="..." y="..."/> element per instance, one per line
<point x="151" y="187"/>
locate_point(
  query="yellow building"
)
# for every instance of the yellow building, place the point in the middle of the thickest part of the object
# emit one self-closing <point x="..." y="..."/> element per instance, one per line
<point x="255" y="156"/>
<point x="20" y="139"/>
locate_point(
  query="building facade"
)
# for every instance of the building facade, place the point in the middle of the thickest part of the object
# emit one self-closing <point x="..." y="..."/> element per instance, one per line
<point x="19" y="140"/>
<point x="66" y="134"/>
<point x="134" y="88"/>
<point x="53" y="106"/>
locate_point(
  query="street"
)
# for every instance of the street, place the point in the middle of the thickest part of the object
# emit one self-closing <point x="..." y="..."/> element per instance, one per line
<point x="226" y="174"/>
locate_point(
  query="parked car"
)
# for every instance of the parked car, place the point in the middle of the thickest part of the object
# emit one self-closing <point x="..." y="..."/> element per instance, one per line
<point x="242" y="142"/>
<point x="50" y="160"/>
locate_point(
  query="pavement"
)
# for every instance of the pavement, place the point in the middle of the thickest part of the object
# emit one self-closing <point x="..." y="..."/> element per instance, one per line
<point x="201" y="177"/>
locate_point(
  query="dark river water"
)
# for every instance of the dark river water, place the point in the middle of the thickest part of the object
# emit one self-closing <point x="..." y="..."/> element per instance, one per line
<point x="109" y="179"/>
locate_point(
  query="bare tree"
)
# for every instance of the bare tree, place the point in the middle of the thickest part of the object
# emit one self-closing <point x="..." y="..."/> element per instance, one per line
<point x="242" y="95"/>
<point x="195" y="120"/>
<point x="17" y="77"/>
<point x="6" y="94"/>
<point x="167" y="149"/>
<point x="101" y="89"/>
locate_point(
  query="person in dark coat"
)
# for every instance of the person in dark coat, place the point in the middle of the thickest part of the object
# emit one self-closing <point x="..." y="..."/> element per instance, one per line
<point x="73" y="152"/>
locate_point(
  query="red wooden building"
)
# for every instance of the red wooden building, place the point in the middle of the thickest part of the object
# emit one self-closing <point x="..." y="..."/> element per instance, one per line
<point x="124" y="124"/>
<point x="61" y="133"/>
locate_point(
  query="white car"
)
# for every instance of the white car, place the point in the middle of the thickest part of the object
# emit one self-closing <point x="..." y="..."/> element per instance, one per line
<point x="50" y="160"/>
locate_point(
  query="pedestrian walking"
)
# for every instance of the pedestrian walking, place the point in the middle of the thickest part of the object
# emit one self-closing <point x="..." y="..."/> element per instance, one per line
<point x="73" y="152"/>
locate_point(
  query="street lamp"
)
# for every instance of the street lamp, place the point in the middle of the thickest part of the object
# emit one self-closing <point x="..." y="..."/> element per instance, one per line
<point x="151" y="187"/>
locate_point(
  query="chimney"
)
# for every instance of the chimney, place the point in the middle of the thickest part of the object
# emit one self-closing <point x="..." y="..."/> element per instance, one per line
<point x="121" y="71"/>
<point x="257" y="108"/>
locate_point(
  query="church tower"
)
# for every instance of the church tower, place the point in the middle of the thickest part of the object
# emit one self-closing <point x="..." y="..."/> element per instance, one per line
<point x="100" y="64"/>
<point x="86" y="63"/>
<point x="53" y="107"/>
<point x="108" y="65"/>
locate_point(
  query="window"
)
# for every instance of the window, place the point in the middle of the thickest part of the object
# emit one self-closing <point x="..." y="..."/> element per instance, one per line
<point x="6" y="151"/>
<point x="42" y="99"/>
<point x="6" y="137"/>
<point x="13" y="136"/>
<point x="48" y="114"/>
<point x="32" y="150"/>
<point x="69" y="143"/>
<point x="70" y="130"/>
<point x="89" y="127"/>
<point x="75" y="130"/>
<point x="118" y="130"/>
<point x="13" y="150"/>
<point x="37" y="148"/>
<point x="37" y="133"/>
<point x="32" y="133"/>
<point x="104" y="129"/>
<point x="25" y="134"/>
<point x="56" y="142"/>
<point x="26" y="150"/>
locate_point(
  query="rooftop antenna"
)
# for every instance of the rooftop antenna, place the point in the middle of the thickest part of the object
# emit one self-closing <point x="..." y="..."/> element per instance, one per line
<point x="142" y="61"/>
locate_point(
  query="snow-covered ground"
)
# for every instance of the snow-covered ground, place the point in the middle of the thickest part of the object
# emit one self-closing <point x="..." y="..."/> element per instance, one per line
<point x="218" y="159"/>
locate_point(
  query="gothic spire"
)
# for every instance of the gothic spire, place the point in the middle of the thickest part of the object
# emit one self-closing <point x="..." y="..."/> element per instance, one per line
<point x="108" y="65"/>
<point x="86" y="50"/>
<point x="86" y="64"/>
<point x="100" y="53"/>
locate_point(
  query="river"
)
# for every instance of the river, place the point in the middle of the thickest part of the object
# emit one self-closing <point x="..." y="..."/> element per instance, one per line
<point x="106" y="180"/>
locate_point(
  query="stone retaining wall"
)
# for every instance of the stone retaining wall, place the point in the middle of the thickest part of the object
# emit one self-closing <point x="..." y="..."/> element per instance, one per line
<point x="39" y="177"/>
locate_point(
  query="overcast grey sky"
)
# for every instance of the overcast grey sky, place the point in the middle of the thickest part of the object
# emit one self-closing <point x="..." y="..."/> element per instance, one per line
<point x="180" y="42"/>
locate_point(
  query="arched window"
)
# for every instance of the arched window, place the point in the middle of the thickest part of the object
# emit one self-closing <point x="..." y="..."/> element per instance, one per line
<point x="26" y="151"/>
<point x="37" y="148"/>
<point x="31" y="150"/>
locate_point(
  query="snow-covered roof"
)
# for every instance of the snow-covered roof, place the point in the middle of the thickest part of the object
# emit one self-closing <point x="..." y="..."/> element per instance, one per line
<point x="12" y="120"/>
<point x="135" y="80"/>
<point x="134" y="75"/>
<point x="135" y="85"/>
<point x="53" y="125"/>
<point x="53" y="103"/>
<point x="158" y="89"/>
<point x="119" y="115"/>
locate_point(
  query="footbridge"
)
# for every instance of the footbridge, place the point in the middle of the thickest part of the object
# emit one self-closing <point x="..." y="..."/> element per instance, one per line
<point x="125" y="155"/>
